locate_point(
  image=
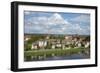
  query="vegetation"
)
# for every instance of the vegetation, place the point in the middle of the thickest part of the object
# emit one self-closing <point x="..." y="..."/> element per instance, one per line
<point x="54" y="51"/>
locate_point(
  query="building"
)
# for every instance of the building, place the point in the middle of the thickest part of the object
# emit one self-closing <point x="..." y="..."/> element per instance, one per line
<point x="39" y="44"/>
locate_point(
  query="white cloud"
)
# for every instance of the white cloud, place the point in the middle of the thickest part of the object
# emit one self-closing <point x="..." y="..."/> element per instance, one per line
<point x="82" y="18"/>
<point x="47" y="22"/>
<point x="57" y="19"/>
<point x="80" y="29"/>
<point x="55" y="24"/>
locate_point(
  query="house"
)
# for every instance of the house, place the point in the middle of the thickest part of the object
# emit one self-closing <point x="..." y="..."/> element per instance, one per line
<point x="87" y="45"/>
<point x="53" y="46"/>
<point x="26" y="38"/>
<point x="79" y="44"/>
<point x="42" y="43"/>
<point x="39" y="44"/>
<point x="34" y="45"/>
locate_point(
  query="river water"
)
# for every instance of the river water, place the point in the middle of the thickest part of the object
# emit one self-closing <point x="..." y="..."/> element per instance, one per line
<point x="74" y="56"/>
<point x="68" y="57"/>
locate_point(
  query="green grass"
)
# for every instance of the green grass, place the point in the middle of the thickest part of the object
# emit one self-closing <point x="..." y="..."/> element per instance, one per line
<point x="52" y="51"/>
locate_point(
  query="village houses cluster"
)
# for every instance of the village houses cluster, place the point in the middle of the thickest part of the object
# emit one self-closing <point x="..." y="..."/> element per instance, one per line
<point x="67" y="43"/>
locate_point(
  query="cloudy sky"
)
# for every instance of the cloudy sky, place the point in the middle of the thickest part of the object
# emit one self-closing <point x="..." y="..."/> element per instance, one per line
<point x="56" y="23"/>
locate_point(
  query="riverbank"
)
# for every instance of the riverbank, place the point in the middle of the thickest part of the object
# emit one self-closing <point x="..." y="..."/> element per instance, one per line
<point x="49" y="53"/>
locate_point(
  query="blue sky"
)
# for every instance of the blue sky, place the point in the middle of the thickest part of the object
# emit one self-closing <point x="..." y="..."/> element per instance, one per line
<point x="56" y="23"/>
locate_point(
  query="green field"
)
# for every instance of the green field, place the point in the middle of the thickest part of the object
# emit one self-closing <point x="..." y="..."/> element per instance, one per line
<point x="53" y="51"/>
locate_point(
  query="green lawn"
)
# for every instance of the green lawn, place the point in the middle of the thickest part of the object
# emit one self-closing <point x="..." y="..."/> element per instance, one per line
<point x="52" y="51"/>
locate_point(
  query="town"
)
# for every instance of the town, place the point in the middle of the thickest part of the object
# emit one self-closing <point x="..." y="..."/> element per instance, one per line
<point x="66" y="42"/>
<point x="46" y="43"/>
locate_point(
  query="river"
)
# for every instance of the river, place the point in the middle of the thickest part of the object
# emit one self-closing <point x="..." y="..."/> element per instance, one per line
<point x="68" y="57"/>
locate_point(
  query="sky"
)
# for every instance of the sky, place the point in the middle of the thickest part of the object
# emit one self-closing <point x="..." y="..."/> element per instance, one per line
<point x="56" y="23"/>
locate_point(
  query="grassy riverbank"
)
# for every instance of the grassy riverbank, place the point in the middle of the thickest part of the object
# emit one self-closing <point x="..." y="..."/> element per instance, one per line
<point x="52" y="51"/>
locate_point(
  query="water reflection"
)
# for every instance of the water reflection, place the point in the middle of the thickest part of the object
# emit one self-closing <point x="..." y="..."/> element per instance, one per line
<point x="62" y="56"/>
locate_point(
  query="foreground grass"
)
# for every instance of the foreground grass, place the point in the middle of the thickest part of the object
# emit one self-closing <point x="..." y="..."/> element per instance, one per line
<point x="52" y="51"/>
